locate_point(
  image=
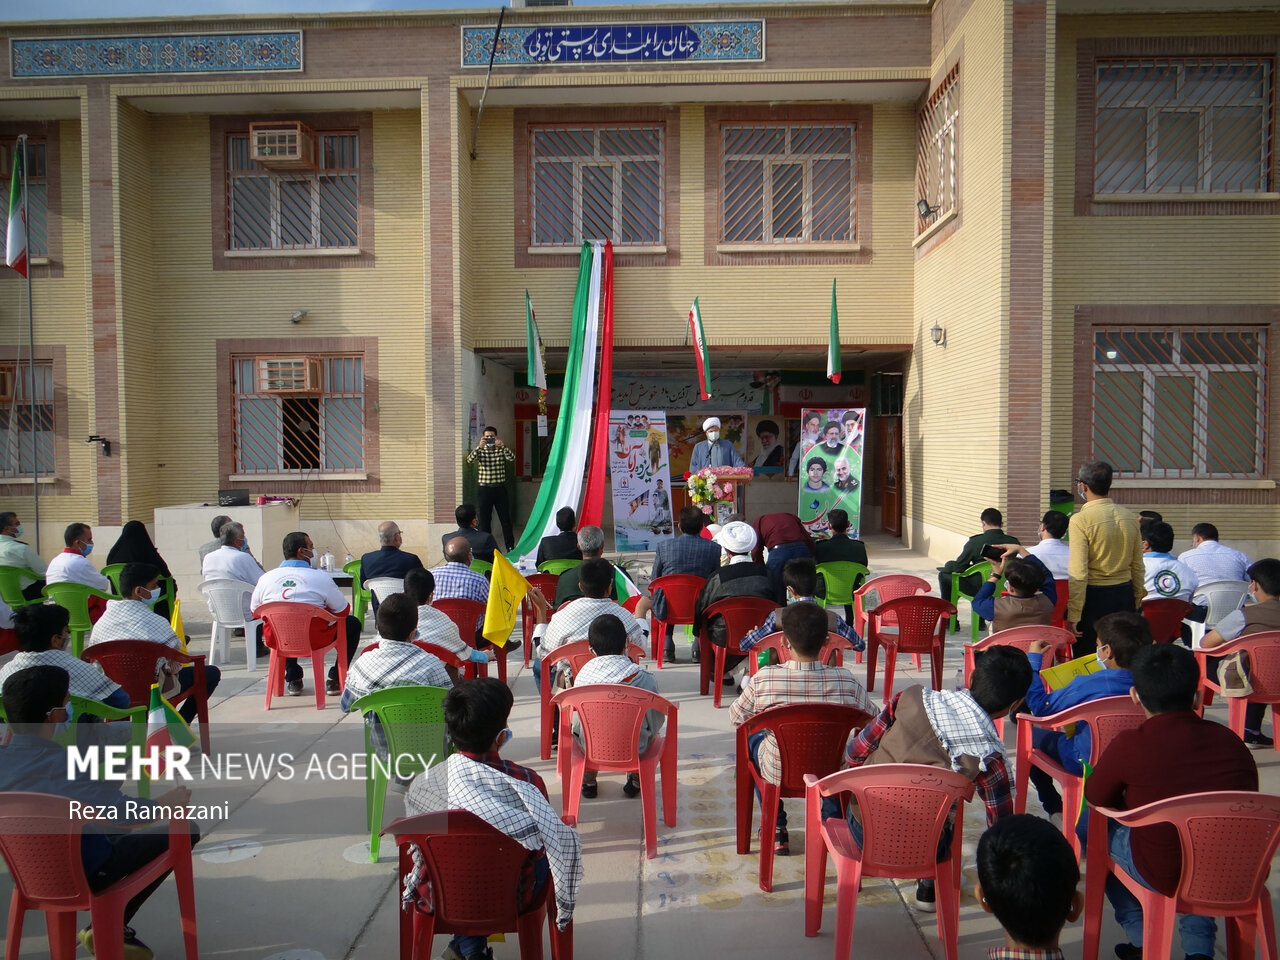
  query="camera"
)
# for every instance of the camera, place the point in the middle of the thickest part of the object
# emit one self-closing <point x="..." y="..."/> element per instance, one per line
<point x="490" y="441"/>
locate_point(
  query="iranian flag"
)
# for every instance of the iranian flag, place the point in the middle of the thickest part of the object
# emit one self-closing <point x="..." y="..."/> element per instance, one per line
<point x="700" y="350"/>
<point x="833" y="340"/>
<point x="164" y="724"/>
<point x="537" y="372"/>
<point x="15" y="249"/>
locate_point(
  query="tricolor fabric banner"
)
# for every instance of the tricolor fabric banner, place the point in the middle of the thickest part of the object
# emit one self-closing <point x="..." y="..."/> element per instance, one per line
<point x="641" y="479"/>
<point x="700" y="357"/>
<point x="15" y="250"/>
<point x="831" y="468"/>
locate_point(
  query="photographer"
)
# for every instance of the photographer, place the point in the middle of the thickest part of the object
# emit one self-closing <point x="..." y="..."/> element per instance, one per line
<point x="491" y="455"/>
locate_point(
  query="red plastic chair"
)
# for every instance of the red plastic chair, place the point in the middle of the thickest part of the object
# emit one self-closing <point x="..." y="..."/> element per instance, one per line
<point x="1264" y="676"/>
<point x="1106" y="718"/>
<point x="576" y="654"/>
<point x="612" y="715"/>
<point x="921" y="628"/>
<point x="888" y="587"/>
<point x="8" y="640"/>
<point x="680" y="592"/>
<point x="465" y="613"/>
<point x="305" y="631"/>
<point x="40" y="844"/>
<point x="903" y="807"/>
<point x="832" y="651"/>
<point x="132" y="664"/>
<point x="1228" y="839"/>
<point x="450" y="659"/>
<point x="1022" y="638"/>
<point x="474" y="873"/>
<point x="741" y="616"/>
<point x="1165" y="616"/>
<point x="1063" y="589"/>
<point x="546" y="582"/>
<point x="811" y="738"/>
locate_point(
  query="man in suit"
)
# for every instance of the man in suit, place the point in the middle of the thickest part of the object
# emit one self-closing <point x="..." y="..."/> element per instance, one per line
<point x="388" y="560"/>
<point x="687" y="553"/>
<point x="482" y="544"/>
<point x="992" y="522"/>
<point x="562" y="545"/>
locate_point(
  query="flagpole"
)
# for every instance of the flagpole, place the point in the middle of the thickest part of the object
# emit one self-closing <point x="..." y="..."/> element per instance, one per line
<point x="31" y="342"/>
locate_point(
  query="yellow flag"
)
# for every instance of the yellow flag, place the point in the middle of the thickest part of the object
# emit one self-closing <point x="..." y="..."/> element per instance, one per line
<point x="176" y="623"/>
<point x="506" y="589"/>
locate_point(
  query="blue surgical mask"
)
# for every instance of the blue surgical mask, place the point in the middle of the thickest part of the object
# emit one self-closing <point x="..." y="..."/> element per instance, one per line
<point x="1102" y="664"/>
<point x="88" y="549"/>
<point x="153" y="595"/>
<point x="505" y="737"/>
<point x="244" y="547"/>
<point x="17" y="532"/>
<point x="62" y="726"/>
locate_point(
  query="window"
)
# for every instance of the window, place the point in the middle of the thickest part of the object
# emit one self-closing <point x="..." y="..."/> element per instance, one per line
<point x="936" y="151"/>
<point x="1193" y="125"/>
<point x="791" y="183"/>
<point x="295" y="211"/>
<point x="37" y="195"/>
<point x="596" y="183"/>
<point x="317" y="428"/>
<point x="1182" y="402"/>
<point x="26" y="419"/>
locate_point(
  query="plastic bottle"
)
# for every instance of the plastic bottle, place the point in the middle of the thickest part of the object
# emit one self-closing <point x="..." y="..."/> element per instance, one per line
<point x="326" y="561"/>
<point x="347" y="561"/>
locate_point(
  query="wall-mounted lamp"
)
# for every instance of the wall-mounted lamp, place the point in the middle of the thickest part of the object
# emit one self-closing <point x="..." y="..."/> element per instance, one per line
<point x="923" y="208"/>
<point x="297" y="316"/>
<point x="106" y="444"/>
<point x="937" y="334"/>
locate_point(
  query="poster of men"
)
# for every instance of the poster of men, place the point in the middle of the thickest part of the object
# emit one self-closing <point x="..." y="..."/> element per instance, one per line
<point x="829" y="462"/>
<point x="640" y="476"/>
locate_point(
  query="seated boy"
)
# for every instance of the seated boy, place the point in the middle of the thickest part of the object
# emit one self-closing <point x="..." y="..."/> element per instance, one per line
<point x="607" y="638"/>
<point x="1174" y="752"/>
<point x="36" y="703"/>
<point x="1120" y="636"/>
<point x="802" y="679"/>
<point x="42" y="640"/>
<point x="1030" y="598"/>
<point x="800" y="578"/>
<point x="1027" y="877"/>
<point x="131" y="618"/>
<point x="511" y="797"/>
<point x="397" y="661"/>
<point x="436" y="627"/>
<point x="952" y="729"/>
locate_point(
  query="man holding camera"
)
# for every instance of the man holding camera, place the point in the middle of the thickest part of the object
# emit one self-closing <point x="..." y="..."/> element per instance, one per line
<point x="492" y="457"/>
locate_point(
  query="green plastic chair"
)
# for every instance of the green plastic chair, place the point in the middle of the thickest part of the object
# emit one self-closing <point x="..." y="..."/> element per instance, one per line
<point x="557" y="567"/>
<point x="983" y="569"/>
<point x="137" y="716"/>
<point x="412" y="721"/>
<point x="74" y="598"/>
<point x="11" y="585"/>
<point x="168" y="591"/>
<point x="842" y="577"/>
<point x="361" y="596"/>
<point x="482" y="566"/>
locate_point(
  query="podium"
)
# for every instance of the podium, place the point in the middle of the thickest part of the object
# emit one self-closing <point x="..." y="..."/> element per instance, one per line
<point x="739" y="477"/>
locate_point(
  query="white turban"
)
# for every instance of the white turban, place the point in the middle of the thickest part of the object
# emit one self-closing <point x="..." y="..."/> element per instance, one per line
<point x="710" y="422"/>
<point x="737" y="537"/>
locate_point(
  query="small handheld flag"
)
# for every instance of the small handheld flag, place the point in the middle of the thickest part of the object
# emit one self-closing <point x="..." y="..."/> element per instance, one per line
<point x="506" y="589"/>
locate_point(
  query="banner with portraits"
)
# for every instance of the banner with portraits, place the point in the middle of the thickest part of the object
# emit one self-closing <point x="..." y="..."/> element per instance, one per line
<point x="640" y="475"/>
<point x="830" y="467"/>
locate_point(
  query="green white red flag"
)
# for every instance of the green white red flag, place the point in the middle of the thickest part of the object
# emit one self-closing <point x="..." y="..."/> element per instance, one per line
<point x="833" y="340"/>
<point x="700" y="350"/>
<point x="15" y="248"/>
<point x="537" y="372"/>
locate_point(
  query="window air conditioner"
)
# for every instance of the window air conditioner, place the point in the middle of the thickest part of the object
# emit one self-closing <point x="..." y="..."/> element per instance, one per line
<point x="290" y="375"/>
<point x="283" y="145"/>
<point x="8" y="379"/>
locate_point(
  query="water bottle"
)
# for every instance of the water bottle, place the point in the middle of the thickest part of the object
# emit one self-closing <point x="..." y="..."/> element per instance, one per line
<point x="326" y="561"/>
<point x="347" y="561"/>
<point x="959" y="683"/>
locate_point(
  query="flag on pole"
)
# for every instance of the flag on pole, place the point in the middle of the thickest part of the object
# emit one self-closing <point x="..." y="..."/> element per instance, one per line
<point x="15" y="249"/>
<point x="537" y="372"/>
<point x="506" y="589"/>
<point x="833" y="344"/>
<point x="700" y="350"/>
<point x="164" y="724"/>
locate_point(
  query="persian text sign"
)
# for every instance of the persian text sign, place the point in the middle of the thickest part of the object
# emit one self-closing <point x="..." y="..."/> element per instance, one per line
<point x="720" y="42"/>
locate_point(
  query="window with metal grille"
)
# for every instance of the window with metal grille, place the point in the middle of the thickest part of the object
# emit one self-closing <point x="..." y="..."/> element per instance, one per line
<point x="294" y="211"/>
<point x="1181" y="402"/>
<point x="596" y="183"/>
<point x="37" y="196"/>
<point x="1193" y="125"/>
<point x="936" y="151"/>
<point x="790" y="183"/>
<point x="317" y="429"/>
<point x="26" y="419"/>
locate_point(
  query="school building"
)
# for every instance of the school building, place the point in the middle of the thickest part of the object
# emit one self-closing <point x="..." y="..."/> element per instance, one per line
<point x="289" y="254"/>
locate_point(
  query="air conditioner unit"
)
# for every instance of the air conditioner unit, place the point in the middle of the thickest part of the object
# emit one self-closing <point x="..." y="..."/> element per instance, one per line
<point x="290" y="375"/>
<point x="283" y="145"/>
<point x="8" y="381"/>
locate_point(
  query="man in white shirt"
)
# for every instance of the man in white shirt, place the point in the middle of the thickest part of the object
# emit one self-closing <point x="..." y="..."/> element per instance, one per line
<point x="131" y="618"/>
<point x="72" y="566"/>
<point x="296" y="581"/>
<point x="216" y="525"/>
<point x="1166" y="576"/>
<point x="232" y="561"/>
<point x="16" y="553"/>
<point x="1211" y="560"/>
<point x="1052" y="551"/>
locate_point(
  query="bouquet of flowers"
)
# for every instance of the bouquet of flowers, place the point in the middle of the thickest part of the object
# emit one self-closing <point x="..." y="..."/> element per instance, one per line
<point x="706" y="489"/>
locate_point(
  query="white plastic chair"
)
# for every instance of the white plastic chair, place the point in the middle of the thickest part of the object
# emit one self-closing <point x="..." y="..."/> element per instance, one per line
<point x="383" y="587"/>
<point x="228" y="602"/>
<point x="1222" y="597"/>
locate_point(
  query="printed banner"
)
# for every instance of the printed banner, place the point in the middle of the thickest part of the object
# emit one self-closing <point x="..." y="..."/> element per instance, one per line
<point x="640" y="474"/>
<point x="829" y="458"/>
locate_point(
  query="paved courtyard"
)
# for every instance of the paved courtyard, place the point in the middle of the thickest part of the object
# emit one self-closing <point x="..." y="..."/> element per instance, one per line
<point x="287" y="876"/>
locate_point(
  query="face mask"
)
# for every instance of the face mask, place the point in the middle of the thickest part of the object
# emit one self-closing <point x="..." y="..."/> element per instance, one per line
<point x="713" y="435"/>
<point x="791" y="597"/>
<point x="504" y="737"/>
<point x="62" y="726"/>
<point x="153" y="595"/>
<point x="244" y="547"/>
<point x="88" y="549"/>
<point x="1102" y="664"/>
<point x="314" y="560"/>
<point x="17" y="531"/>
